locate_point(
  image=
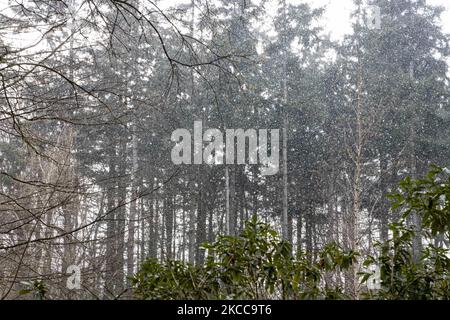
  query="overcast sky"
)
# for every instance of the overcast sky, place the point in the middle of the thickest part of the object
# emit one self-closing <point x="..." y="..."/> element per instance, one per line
<point x="336" y="19"/>
<point x="337" y="15"/>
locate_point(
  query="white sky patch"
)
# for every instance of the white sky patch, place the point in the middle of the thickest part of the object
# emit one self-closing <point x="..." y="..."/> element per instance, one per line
<point x="336" y="19"/>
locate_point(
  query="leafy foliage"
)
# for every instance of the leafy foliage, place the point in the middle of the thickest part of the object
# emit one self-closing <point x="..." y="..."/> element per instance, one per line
<point x="36" y="288"/>
<point x="257" y="264"/>
<point x="402" y="275"/>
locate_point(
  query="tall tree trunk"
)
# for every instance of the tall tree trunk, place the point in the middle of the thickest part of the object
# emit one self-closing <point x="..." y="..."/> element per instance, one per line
<point x="230" y="186"/>
<point x="168" y="220"/>
<point x="201" y="222"/>
<point x="121" y="217"/>
<point x="191" y="237"/>
<point x="153" y="227"/>
<point x="133" y="205"/>
<point x="210" y="225"/>
<point x="309" y="221"/>
<point x="299" y="232"/>
<point x="110" y="253"/>
<point x="162" y="246"/>
<point x="357" y="157"/>
<point x="144" y="223"/>
<point x="384" y="207"/>
<point x="284" y="216"/>
<point x="184" y="229"/>
<point x="417" y="246"/>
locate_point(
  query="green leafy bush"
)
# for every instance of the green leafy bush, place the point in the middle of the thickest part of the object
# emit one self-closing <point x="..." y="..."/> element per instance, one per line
<point x="403" y="276"/>
<point x="258" y="264"/>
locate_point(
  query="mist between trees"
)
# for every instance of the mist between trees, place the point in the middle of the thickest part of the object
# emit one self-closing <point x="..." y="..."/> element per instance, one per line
<point x="92" y="90"/>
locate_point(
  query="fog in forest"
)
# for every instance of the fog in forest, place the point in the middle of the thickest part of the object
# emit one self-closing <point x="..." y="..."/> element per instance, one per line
<point x="224" y="149"/>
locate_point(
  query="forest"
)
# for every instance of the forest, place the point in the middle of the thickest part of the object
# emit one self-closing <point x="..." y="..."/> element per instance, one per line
<point x="224" y="149"/>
